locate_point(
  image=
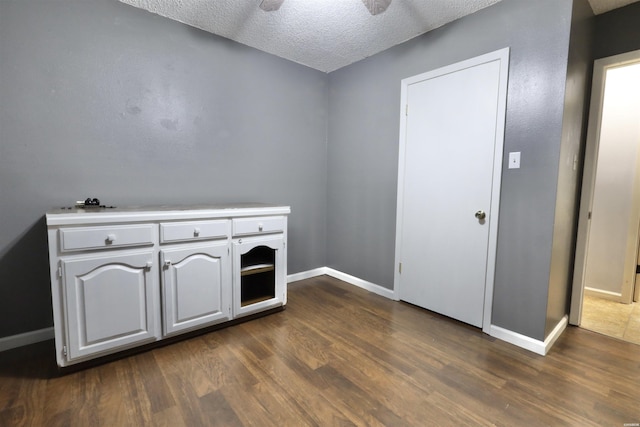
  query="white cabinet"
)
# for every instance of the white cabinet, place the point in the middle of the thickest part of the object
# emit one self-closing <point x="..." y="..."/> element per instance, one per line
<point x="193" y="231"/>
<point x="259" y="226"/>
<point x="125" y="277"/>
<point x="108" y="237"/>
<point x="196" y="276"/>
<point x="259" y="263"/>
<point x="259" y="278"/>
<point x="110" y="302"/>
<point x="195" y="286"/>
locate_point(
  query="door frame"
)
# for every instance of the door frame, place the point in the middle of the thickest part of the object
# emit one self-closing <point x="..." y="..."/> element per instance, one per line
<point x="600" y="68"/>
<point x="501" y="55"/>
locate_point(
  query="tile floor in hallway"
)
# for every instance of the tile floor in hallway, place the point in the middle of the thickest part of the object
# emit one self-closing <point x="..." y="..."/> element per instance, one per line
<point x="611" y="318"/>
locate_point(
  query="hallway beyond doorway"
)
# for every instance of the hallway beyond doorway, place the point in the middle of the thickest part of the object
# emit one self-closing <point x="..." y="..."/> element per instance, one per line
<point x="611" y="318"/>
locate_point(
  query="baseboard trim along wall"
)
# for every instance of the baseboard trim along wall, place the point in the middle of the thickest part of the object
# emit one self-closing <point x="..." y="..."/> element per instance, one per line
<point x="528" y="343"/>
<point x="599" y="293"/>
<point x="307" y="274"/>
<point x="20" y="340"/>
<point x="523" y="341"/>
<point x="371" y="287"/>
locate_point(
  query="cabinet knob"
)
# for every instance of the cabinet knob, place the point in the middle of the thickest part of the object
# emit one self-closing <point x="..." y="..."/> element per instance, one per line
<point x="110" y="238"/>
<point x="149" y="265"/>
<point x="196" y="231"/>
<point x="260" y="227"/>
<point x="167" y="263"/>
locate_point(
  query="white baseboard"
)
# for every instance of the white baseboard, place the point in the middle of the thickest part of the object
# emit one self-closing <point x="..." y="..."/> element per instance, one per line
<point x="307" y="274"/>
<point x="14" y="341"/>
<point x="371" y="287"/>
<point x="599" y="293"/>
<point x="528" y="343"/>
<point x="555" y="334"/>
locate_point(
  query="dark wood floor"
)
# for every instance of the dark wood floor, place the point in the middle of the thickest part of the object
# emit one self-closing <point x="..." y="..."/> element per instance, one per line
<point x="337" y="355"/>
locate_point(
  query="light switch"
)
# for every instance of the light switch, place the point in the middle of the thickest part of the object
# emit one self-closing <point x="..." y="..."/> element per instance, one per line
<point x="514" y="160"/>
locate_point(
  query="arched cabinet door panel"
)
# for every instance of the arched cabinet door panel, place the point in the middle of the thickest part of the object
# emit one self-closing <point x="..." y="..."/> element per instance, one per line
<point x="110" y="302"/>
<point x="195" y="286"/>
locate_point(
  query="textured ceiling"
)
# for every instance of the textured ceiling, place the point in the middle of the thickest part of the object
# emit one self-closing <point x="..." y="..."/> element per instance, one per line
<point x="323" y="34"/>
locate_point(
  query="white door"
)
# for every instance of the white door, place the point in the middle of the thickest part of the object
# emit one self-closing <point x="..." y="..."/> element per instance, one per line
<point x="450" y="166"/>
<point x="196" y="286"/>
<point x="111" y="302"/>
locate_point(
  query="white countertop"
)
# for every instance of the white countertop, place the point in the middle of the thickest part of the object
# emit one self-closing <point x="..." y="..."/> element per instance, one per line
<point x="95" y="215"/>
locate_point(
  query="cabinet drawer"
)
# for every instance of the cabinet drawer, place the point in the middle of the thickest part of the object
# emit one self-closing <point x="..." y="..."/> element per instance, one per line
<point x="266" y="224"/>
<point x="195" y="230"/>
<point x="76" y="239"/>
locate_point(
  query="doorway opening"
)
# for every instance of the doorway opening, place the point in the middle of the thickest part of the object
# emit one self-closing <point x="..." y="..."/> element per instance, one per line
<point x="605" y="289"/>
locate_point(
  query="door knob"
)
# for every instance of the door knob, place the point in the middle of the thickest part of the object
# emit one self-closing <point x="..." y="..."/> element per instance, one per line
<point x="481" y="215"/>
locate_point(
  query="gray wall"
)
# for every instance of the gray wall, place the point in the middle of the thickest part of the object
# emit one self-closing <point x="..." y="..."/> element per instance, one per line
<point x="617" y="31"/>
<point x="574" y="132"/>
<point x="102" y="99"/>
<point x="364" y="108"/>
<point x="105" y="100"/>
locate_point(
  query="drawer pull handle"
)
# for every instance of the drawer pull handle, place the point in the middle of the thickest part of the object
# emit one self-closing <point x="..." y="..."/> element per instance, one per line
<point x="260" y="227"/>
<point x="111" y="238"/>
<point x="196" y="231"/>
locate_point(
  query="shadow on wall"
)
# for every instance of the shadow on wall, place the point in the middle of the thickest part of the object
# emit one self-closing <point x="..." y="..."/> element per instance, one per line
<point x="25" y="290"/>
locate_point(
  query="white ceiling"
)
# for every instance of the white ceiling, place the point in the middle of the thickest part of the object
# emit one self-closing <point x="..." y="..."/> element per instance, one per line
<point x="323" y="34"/>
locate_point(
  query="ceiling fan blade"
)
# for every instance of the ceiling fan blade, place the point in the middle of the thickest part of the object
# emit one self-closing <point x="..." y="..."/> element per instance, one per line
<point x="376" y="7"/>
<point x="270" y="5"/>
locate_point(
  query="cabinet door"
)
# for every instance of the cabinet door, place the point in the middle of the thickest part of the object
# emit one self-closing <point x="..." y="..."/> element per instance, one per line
<point x="196" y="283"/>
<point x="111" y="302"/>
<point x="259" y="274"/>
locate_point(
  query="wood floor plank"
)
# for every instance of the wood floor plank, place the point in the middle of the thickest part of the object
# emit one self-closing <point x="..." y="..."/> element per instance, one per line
<point x="196" y="361"/>
<point x="359" y="405"/>
<point x="403" y="396"/>
<point x="337" y="355"/>
<point x="301" y="385"/>
<point x="170" y="417"/>
<point x="282" y="409"/>
<point x="217" y="411"/>
<point x="114" y="405"/>
<point x="303" y="342"/>
<point x="153" y="382"/>
<point x="249" y="406"/>
<point x="137" y="404"/>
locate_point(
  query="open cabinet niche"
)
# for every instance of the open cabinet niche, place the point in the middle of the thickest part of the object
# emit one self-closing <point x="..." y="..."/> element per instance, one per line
<point x="257" y="275"/>
<point x="259" y="260"/>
